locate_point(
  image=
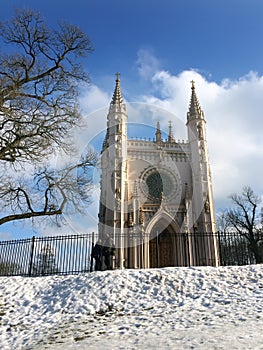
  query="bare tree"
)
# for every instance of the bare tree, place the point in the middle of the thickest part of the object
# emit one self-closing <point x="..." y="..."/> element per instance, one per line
<point x="246" y="219"/>
<point x="50" y="192"/>
<point x="39" y="86"/>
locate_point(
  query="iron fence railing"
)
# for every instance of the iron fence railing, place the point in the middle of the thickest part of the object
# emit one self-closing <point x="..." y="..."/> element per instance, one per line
<point x="71" y="254"/>
<point x="39" y="256"/>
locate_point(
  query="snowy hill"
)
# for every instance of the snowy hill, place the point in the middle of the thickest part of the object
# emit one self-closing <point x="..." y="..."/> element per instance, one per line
<point x="169" y="308"/>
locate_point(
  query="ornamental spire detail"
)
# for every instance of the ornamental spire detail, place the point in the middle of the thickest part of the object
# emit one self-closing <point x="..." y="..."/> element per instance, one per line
<point x="171" y="136"/>
<point x="158" y="134"/>
<point x="117" y="96"/>
<point x="195" y="110"/>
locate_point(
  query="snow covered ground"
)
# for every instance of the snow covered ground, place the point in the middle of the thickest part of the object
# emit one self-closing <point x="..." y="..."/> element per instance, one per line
<point x="169" y="308"/>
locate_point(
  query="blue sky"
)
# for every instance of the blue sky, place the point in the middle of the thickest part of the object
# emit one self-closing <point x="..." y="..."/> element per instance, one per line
<point x="159" y="46"/>
<point x="219" y="38"/>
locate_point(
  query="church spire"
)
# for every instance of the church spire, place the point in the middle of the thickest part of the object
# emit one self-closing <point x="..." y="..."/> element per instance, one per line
<point x="117" y="96"/>
<point x="158" y="134"/>
<point x="170" y="136"/>
<point x="195" y="110"/>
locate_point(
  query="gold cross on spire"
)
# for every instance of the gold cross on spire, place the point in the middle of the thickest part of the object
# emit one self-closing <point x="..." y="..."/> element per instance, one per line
<point x="118" y="76"/>
<point x="193" y="84"/>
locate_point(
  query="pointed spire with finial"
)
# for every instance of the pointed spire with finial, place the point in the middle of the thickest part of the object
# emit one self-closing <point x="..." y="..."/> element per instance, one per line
<point x="158" y="134"/>
<point x="195" y="110"/>
<point x="170" y="136"/>
<point x="117" y="96"/>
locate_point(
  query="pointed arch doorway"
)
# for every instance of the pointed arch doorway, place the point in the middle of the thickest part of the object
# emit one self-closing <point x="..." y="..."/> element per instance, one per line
<point x="161" y="252"/>
<point x="167" y="246"/>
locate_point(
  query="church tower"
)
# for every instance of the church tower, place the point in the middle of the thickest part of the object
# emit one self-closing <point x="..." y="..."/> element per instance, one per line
<point x="203" y="215"/>
<point x="156" y="201"/>
<point x="113" y="197"/>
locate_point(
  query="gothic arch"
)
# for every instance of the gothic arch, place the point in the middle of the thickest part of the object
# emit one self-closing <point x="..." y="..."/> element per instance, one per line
<point x="164" y="219"/>
<point x="166" y="245"/>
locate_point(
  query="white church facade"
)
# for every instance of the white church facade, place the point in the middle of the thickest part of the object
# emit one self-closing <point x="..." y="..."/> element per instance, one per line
<point x="156" y="200"/>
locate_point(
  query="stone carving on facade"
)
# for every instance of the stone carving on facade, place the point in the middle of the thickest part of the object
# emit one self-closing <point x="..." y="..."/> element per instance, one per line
<point x="207" y="206"/>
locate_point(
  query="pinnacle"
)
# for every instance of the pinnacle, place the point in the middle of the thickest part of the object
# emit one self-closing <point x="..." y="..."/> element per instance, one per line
<point x="158" y="133"/>
<point x="117" y="96"/>
<point x="171" y="136"/>
<point x="194" y="107"/>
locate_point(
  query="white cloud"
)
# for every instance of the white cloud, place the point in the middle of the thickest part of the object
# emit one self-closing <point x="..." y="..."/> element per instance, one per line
<point x="233" y="111"/>
<point x="147" y="63"/>
<point x="93" y="98"/>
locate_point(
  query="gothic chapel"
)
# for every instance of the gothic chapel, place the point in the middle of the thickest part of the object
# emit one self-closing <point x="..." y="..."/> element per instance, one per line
<point x="156" y="200"/>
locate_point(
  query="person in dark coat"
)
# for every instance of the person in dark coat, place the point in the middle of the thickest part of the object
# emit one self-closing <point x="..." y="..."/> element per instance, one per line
<point x="97" y="255"/>
<point x="108" y="252"/>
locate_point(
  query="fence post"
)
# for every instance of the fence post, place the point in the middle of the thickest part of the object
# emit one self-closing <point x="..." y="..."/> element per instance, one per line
<point x="219" y="248"/>
<point x="31" y="256"/>
<point x="91" y="257"/>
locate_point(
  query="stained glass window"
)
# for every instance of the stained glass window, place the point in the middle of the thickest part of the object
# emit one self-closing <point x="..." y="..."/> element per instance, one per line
<point x="158" y="184"/>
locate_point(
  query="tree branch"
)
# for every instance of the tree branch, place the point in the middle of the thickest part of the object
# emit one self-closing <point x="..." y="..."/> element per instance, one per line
<point x="29" y="215"/>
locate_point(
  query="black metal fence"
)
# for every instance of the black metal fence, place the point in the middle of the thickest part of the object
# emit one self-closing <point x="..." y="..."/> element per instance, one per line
<point x="236" y="249"/>
<point x="71" y="254"/>
<point x="40" y="256"/>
